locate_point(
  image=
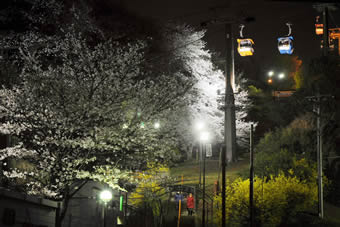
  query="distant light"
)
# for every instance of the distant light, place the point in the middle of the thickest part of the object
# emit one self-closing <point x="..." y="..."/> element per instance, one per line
<point x="157" y="125"/>
<point x="281" y="75"/>
<point x="105" y="196"/>
<point x="270" y="81"/>
<point x="204" y="136"/>
<point x="270" y="73"/>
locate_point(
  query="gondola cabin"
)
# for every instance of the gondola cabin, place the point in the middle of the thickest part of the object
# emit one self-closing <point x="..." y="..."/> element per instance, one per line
<point x="245" y="47"/>
<point x="319" y="29"/>
<point x="285" y="45"/>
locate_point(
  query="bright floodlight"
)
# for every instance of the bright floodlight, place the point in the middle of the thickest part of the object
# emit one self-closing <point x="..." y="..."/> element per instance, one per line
<point x="199" y="125"/>
<point x="105" y="196"/>
<point x="204" y="136"/>
<point x="270" y="73"/>
<point x="157" y="125"/>
<point x="281" y="75"/>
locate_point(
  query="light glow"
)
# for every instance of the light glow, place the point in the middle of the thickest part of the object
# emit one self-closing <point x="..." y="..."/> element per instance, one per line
<point x="204" y="136"/>
<point x="199" y="125"/>
<point x="105" y="196"/>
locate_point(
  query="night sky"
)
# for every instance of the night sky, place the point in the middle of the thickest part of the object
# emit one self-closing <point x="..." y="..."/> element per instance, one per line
<point x="270" y="23"/>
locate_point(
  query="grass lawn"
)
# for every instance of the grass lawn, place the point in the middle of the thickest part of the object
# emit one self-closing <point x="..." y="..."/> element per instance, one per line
<point x="190" y="172"/>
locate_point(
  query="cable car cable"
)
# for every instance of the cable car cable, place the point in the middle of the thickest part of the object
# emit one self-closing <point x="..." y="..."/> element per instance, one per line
<point x="332" y="18"/>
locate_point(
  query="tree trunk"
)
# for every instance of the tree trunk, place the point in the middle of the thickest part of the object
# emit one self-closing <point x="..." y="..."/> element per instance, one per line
<point x="62" y="209"/>
<point x="189" y="151"/>
<point x="60" y="215"/>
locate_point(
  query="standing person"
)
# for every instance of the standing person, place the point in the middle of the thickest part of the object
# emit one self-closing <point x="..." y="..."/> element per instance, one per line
<point x="190" y="204"/>
<point x="178" y="197"/>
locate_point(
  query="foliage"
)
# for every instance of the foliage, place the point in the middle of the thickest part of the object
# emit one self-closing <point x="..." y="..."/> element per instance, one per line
<point x="205" y="98"/>
<point x="151" y="189"/>
<point x="275" y="199"/>
<point x="277" y="150"/>
<point x="84" y="107"/>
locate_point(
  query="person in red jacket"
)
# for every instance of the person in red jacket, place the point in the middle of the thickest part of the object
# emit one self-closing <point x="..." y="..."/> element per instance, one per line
<point x="190" y="204"/>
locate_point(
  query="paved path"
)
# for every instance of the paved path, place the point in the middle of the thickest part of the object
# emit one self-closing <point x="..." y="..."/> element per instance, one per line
<point x="185" y="220"/>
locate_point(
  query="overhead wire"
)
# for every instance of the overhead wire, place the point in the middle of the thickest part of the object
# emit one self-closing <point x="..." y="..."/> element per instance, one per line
<point x="333" y="20"/>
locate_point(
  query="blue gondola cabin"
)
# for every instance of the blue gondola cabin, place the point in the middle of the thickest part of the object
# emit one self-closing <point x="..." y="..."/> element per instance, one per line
<point x="285" y="45"/>
<point x="245" y="47"/>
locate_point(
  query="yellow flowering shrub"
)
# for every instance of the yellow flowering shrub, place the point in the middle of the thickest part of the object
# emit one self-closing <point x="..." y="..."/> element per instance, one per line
<point x="275" y="199"/>
<point x="150" y="190"/>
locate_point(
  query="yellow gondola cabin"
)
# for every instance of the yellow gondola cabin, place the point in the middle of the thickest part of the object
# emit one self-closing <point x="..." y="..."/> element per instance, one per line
<point x="245" y="47"/>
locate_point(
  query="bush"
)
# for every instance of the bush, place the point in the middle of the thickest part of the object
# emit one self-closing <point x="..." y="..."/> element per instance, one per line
<point x="275" y="199"/>
<point x="279" y="150"/>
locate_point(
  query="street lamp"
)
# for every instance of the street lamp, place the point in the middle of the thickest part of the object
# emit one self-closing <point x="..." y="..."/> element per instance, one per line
<point x="270" y="73"/>
<point x="106" y="197"/>
<point x="281" y="76"/>
<point x="199" y="125"/>
<point x="204" y="137"/>
<point x="157" y="125"/>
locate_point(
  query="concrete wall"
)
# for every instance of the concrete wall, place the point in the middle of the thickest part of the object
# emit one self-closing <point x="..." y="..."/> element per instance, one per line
<point x="27" y="210"/>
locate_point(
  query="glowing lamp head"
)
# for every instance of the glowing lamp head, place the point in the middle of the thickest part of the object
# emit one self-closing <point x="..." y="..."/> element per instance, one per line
<point x="199" y="126"/>
<point x="281" y="76"/>
<point x="270" y="73"/>
<point x="105" y="196"/>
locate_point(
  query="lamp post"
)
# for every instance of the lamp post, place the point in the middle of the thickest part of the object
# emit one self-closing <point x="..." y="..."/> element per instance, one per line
<point x="199" y="127"/>
<point x="106" y="197"/>
<point x="204" y="137"/>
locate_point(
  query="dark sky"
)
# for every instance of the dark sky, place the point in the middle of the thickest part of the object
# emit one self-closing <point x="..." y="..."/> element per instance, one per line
<point x="270" y="23"/>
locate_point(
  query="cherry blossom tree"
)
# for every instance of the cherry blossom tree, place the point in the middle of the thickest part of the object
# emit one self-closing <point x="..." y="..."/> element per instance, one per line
<point x="84" y="109"/>
<point x="206" y="97"/>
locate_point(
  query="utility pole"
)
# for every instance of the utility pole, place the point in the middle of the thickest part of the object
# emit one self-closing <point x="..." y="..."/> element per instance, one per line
<point x="229" y="154"/>
<point x="229" y="114"/>
<point x="223" y="186"/>
<point x="251" y="177"/>
<point x="325" y="30"/>
<point x="319" y="158"/>
<point x="317" y="100"/>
